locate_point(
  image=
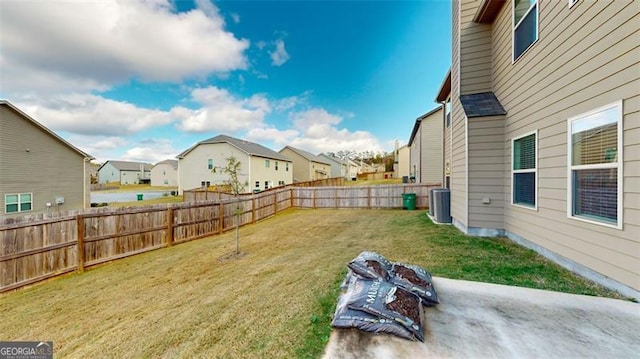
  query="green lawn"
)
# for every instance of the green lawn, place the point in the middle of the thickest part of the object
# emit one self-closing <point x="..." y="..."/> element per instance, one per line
<point x="274" y="301"/>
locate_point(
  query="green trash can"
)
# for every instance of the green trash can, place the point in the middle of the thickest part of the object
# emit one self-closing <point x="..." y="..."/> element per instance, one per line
<point x="140" y="196"/>
<point x="409" y="201"/>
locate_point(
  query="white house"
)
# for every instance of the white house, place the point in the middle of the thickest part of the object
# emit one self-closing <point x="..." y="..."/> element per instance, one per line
<point x="339" y="168"/>
<point x="260" y="168"/>
<point x="165" y="173"/>
<point x="124" y="172"/>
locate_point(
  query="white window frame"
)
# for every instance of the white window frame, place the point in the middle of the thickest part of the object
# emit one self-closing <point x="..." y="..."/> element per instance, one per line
<point x="20" y="210"/>
<point x="210" y="163"/>
<point x="514" y="26"/>
<point x="571" y="3"/>
<point x="528" y="170"/>
<point x="619" y="165"/>
<point x="267" y="164"/>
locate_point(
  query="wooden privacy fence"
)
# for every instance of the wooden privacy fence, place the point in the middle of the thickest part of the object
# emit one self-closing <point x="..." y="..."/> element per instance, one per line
<point x="32" y="251"/>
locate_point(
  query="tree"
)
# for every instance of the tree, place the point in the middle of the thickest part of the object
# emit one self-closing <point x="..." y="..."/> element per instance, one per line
<point x="232" y="169"/>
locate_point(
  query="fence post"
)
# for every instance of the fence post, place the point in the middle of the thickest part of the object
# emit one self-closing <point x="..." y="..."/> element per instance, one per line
<point x="291" y="198"/>
<point x="275" y="203"/>
<point x="170" y="227"/>
<point x="80" y="250"/>
<point x="314" y="197"/>
<point x="369" y="197"/>
<point x="253" y="208"/>
<point x="220" y="217"/>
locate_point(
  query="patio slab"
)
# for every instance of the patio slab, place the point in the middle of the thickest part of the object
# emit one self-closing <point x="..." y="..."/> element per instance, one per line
<point x="482" y="320"/>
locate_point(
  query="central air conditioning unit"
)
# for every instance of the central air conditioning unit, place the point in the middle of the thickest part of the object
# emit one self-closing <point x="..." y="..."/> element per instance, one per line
<point x="441" y="205"/>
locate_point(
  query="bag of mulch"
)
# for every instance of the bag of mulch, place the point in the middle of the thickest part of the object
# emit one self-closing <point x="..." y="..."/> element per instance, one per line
<point x="416" y="280"/>
<point x="345" y="317"/>
<point x="371" y="265"/>
<point x="387" y="301"/>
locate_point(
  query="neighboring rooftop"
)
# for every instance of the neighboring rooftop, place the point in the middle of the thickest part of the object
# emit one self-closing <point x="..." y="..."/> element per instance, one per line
<point x="248" y="147"/>
<point x="307" y="155"/>
<point x="129" y="166"/>
<point x="481" y="105"/>
<point x="172" y="163"/>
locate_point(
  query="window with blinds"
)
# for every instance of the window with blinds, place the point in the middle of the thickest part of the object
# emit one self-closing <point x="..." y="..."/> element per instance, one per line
<point x="524" y="171"/>
<point x="595" y="165"/>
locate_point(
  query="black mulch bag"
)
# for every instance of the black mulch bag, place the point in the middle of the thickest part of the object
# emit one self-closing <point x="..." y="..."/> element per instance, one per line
<point x="416" y="280"/>
<point x="387" y="301"/>
<point x="371" y="265"/>
<point x="345" y="317"/>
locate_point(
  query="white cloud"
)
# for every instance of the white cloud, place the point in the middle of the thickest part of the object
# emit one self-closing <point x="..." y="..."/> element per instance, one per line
<point x="92" y="115"/>
<point x="261" y="44"/>
<point x="279" y="56"/>
<point x="152" y="150"/>
<point x="221" y="111"/>
<point x="47" y="47"/>
<point x="280" y="138"/>
<point x="288" y="103"/>
<point x="235" y="17"/>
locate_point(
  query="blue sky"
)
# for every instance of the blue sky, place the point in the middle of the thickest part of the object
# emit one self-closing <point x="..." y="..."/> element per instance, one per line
<point x="146" y="80"/>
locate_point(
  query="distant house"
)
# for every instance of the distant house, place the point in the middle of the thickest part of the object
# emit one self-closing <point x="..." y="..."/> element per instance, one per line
<point x="543" y="141"/>
<point x="339" y="168"/>
<point x="425" y="148"/>
<point x="125" y="172"/>
<point x="307" y="166"/>
<point x="354" y="169"/>
<point x="261" y="168"/>
<point x="39" y="171"/>
<point x="401" y="161"/>
<point x="165" y="173"/>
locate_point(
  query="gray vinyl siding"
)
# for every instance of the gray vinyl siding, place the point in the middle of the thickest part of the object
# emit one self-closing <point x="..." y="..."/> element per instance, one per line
<point x="475" y="52"/>
<point x="486" y="172"/>
<point x="431" y="129"/>
<point x="415" y="156"/>
<point x="33" y="161"/>
<point x="108" y="173"/>
<point x="458" y="128"/>
<point x="585" y="57"/>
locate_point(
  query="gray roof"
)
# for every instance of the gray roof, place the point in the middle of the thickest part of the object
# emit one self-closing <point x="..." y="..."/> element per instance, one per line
<point x="307" y="155"/>
<point x="334" y="159"/>
<point x="129" y="166"/>
<point x="249" y="148"/>
<point x="172" y="163"/>
<point x="481" y="105"/>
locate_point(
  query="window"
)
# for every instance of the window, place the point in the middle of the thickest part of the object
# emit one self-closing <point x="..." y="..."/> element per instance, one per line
<point x="166" y="182"/>
<point x="257" y="184"/>
<point x="525" y="25"/>
<point x="267" y="163"/>
<point x="524" y="171"/>
<point x="210" y="164"/>
<point x="164" y="173"/>
<point x="205" y="184"/>
<point x="595" y="167"/>
<point x="266" y="184"/>
<point x="14" y="203"/>
<point x="286" y="166"/>
<point x="447" y="112"/>
<point x="280" y="183"/>
<point x="276" y="165"/>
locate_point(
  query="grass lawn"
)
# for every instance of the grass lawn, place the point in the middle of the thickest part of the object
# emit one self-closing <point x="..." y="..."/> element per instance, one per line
<point x="275" y="301"/>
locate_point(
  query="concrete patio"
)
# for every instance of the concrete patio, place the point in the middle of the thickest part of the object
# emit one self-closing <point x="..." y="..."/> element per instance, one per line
<point x="481" y="320"/>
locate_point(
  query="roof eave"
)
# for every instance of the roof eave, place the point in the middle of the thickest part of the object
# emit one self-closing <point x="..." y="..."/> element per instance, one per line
<point x="445" y="88"/>
<point x="487" y="11"/>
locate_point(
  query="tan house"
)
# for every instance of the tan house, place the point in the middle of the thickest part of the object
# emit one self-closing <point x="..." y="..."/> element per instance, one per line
<point x="39" y="171"/>
<point x="425" y="148"/>
<point x="401" y="162"/>
<point x="165" y="173"/>
<point x="307" y="166"/>
<point x="543" y="141"/>
<point x="125" y="172"/>
<point x="260" y="168"/>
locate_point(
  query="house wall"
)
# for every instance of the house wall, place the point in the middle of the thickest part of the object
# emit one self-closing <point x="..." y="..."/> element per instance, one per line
<point x="133" y="177"/>
<point x="585" y="57"/>
<point x="475" y="51"/>
<point x="164" y="174"/>
<point x="32" y="161"/>
<point x="193" y="168"/>
<point x="108" y="173"/>
<point x="458" y="130"/>
<point x="431" y="128"/>
<point x="261" y="173"/>
<point x="323" y="167"/>
<point x="415" y="153"/>
<point x="403" y="161"/>
<point x="301" y="166"/>
<point x="486" y="173"/>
